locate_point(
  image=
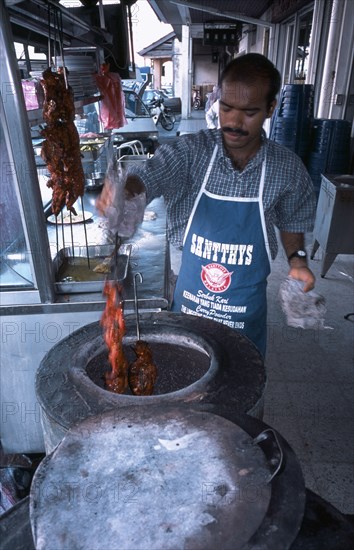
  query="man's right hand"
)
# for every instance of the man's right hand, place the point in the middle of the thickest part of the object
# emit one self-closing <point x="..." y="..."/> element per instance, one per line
<point x="122" y="207"/>
<point x="134" y="186"/>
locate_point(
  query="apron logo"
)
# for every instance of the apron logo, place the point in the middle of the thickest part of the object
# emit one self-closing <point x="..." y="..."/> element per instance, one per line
<point x="216" y="277"/>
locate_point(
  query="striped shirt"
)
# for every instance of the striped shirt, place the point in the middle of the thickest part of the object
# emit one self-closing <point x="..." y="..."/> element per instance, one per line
<point x="176" y="172"/>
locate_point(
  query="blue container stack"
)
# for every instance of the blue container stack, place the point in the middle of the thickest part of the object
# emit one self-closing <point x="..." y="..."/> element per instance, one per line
<point x="330" y="149"/>
<point x="292" y="121"/>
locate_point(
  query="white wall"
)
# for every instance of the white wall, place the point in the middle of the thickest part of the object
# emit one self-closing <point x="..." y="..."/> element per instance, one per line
<point x="205" y="72"/>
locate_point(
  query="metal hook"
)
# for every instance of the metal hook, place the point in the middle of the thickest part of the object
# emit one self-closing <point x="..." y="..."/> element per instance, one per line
<point x="137" y="275"/>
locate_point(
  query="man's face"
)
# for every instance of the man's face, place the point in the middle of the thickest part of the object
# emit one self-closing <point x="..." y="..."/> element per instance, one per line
<point x="242" y="112"/>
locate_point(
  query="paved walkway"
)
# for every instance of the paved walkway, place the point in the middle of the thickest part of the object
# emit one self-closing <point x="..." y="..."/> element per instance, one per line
<point x="309" y="397"/>
<point x="193" y="124"/>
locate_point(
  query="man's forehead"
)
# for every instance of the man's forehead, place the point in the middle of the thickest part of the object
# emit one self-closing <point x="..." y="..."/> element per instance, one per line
<point x="254" y="92"/>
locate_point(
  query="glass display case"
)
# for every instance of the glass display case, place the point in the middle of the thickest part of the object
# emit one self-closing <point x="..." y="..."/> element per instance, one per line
<point x="28" y="240"/>
<point x="16" y="268"/>
<point x="26" y="271"/>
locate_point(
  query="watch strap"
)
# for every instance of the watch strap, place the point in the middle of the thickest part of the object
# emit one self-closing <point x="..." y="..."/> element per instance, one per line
<point x="298" y="254"/>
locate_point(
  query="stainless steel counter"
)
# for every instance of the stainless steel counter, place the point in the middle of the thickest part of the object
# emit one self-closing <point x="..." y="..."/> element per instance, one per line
<point x="149" y="256"/>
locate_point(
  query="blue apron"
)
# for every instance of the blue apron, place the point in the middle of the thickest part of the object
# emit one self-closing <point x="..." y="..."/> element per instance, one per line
<point x="225" y="262"/>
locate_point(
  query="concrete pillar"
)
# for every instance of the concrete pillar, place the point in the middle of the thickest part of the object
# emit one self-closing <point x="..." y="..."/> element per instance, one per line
<point x="317" y="24"/>
<point x="157" y="74"/>
<point x="344" y="65"/>
<point x="186" y="70"/>
<point x="330" y="65"/>
<point x="177" y="68"/>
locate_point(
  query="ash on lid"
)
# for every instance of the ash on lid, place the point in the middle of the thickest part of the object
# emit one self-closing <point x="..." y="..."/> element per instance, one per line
<point x="162" y="478"/>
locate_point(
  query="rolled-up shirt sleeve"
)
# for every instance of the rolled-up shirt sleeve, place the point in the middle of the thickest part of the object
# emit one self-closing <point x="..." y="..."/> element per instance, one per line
<point x="161" y="172"/>
<point x="296" y="209"/>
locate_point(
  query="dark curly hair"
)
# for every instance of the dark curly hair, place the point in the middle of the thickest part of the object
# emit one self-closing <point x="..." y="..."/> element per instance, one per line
<point x="250" y="68"/>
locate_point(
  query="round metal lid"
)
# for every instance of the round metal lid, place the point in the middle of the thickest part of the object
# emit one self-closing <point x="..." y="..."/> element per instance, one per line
<point x="163" y="478"/>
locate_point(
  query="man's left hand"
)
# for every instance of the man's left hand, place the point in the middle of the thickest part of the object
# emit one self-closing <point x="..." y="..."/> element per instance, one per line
<point x="303" y="274"/>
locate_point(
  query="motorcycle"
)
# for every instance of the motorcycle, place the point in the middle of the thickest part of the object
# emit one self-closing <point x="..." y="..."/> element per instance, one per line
<point x="160" y="114"/>
<point x="197" y="100"/>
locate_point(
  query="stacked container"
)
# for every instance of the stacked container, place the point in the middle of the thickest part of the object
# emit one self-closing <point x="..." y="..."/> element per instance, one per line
<point x="292" y="121"/>
<point x="330" y="149"/>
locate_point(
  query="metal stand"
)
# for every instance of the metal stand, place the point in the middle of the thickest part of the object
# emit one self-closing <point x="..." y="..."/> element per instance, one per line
<point x="334" y="225"/>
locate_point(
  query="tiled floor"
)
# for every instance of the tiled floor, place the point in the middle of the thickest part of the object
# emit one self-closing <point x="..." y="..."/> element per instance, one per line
<point x="310" y="392"/>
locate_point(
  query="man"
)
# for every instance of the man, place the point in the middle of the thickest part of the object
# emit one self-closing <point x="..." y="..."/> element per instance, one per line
<point x="211" y="97"/>
<point x="212" y="116"/>
<point x="225" y="190"/>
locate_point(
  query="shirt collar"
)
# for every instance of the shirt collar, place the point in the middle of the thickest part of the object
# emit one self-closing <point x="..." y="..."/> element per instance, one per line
<point x="253" y="163"/>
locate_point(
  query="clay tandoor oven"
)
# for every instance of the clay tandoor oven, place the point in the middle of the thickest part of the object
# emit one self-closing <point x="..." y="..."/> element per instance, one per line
<point x="198" y="361"/>
<point x="183" y="468"/>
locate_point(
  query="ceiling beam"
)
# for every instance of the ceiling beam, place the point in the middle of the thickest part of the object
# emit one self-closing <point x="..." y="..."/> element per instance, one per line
<point x="157" y="10"/>
<point x="184" y="14"/>
<point x="220" y="13"/>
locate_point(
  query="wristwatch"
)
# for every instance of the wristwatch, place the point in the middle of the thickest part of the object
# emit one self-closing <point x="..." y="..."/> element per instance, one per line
<point x="298" y="254"/>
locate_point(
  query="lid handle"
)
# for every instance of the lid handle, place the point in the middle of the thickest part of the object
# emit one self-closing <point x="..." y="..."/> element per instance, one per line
<point x="275" y="451"/>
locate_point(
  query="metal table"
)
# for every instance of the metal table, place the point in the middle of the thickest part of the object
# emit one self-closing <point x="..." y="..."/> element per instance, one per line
<point x="334" y="225"/>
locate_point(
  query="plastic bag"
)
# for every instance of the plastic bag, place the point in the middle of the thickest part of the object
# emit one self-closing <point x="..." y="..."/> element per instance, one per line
<point x="33" y="94"/>
<point x="302" y="309"/>
<point x="112" y="106"/>
<point x="124" y="214"/>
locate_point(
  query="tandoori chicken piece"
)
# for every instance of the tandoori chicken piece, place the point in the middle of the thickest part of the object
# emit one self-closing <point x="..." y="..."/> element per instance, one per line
<point x="142" y="372"/>
<point x="114" y="329"/>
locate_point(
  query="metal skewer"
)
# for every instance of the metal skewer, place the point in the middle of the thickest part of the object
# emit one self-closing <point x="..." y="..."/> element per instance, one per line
<point x="85" y="232"/>
<point x="59" y="22"/>
<point x="115" y="253"/>
<point x="57" y="234"/>
<point x="137" y="275"/>
<point x="113" y="259"/>
<point x="49" y="40"/>
<point x="72" y="235"/>
<point x="62" y="229"/>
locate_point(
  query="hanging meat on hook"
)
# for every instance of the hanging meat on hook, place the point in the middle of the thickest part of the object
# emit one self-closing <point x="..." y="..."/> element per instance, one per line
<point x="114" y="329"/>
<point x="142" y="372"/>
<point x="61" y="148"/>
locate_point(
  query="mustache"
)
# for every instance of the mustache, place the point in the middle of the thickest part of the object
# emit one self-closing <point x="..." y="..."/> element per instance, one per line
<point x="236" y="131"/>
